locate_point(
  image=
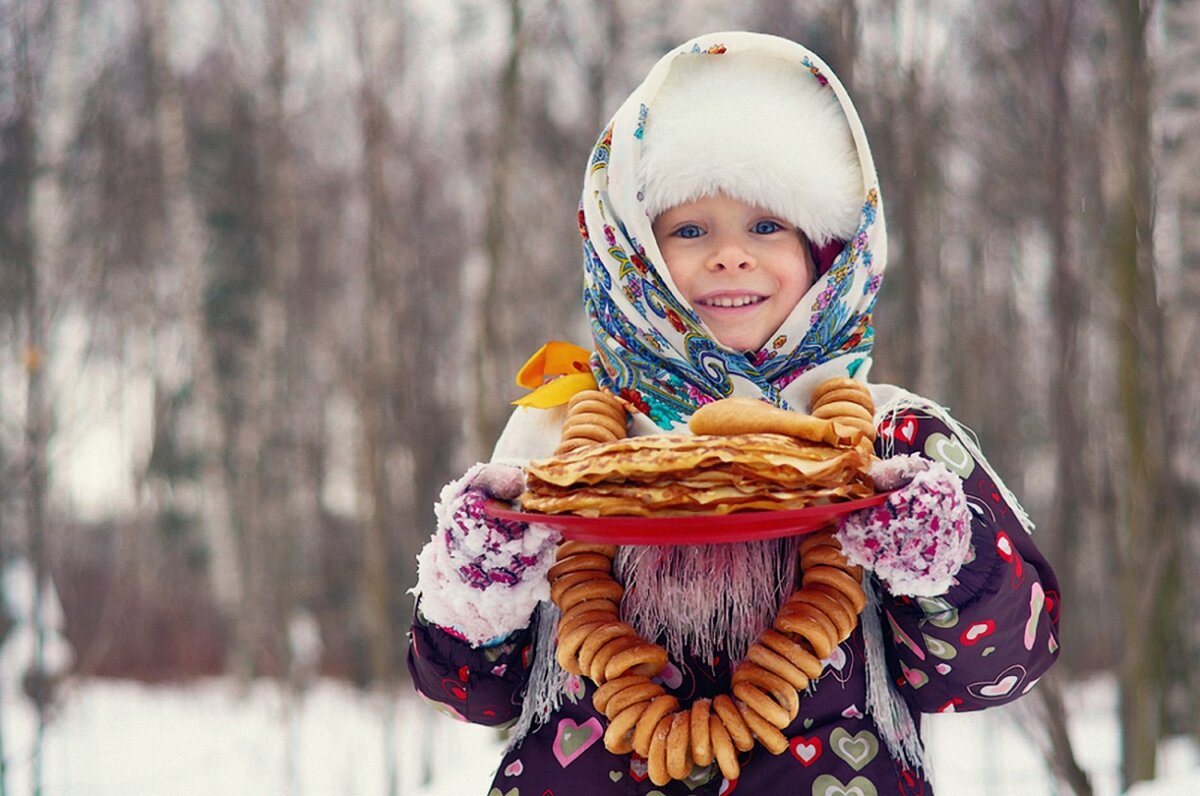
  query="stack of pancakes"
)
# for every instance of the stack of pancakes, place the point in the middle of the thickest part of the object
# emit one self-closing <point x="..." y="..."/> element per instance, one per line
<point x="743" y="455"/>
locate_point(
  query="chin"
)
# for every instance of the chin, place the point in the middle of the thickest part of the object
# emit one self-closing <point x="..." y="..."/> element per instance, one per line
<point x="741" y="343"/>
<point x="746" y="336"/>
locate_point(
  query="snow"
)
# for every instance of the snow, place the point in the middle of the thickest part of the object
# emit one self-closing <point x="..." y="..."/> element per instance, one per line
<point x="113" y="737"/>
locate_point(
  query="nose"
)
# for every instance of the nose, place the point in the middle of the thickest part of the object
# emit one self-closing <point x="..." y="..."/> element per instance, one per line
<point x="729" y="254"/>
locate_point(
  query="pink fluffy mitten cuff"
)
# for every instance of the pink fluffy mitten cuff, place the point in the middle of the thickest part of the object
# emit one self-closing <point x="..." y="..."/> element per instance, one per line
<point x="918" y="540"/>
<point x="480" y="577"/>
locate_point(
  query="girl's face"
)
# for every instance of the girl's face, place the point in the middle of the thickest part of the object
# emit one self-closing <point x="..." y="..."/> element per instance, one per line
<point x="741" y="268"/>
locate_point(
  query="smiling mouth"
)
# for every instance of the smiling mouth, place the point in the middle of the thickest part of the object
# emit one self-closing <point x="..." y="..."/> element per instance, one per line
<point x="732" y="301"/>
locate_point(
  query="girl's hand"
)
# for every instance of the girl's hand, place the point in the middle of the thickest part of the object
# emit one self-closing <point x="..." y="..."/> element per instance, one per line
<point x="481" y="577"/>
<point x="919" y="538"/>
<point x="497" y="480"/>
<point x="485" y="550"/>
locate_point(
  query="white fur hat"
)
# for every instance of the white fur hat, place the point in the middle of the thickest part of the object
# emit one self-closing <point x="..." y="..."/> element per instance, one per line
<point x="759" y="129"/>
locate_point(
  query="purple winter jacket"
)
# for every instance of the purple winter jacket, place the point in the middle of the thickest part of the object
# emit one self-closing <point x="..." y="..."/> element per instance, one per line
<point x="985" y="642"/>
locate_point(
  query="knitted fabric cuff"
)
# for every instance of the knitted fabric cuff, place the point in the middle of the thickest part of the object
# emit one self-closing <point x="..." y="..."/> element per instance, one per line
<point x="480" y="577"/>
<point x="918" y="540"/>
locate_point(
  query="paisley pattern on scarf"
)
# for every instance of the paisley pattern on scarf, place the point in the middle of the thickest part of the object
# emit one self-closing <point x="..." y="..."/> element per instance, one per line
<point x="650" y="346"/>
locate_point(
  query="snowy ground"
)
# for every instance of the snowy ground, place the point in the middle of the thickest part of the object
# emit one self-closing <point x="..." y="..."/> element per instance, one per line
<point x="109" y="738"/>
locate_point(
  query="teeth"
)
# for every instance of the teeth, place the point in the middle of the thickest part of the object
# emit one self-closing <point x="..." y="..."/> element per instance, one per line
<point x="740" y="301"/>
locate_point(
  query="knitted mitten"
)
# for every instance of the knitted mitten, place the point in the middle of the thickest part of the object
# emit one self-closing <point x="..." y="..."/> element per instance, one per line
<point x="917" y="541"/>
<point x="480" y="577"/>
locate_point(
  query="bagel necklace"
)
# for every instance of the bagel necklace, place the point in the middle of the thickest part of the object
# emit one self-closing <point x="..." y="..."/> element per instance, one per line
<point x="641" y="716"/>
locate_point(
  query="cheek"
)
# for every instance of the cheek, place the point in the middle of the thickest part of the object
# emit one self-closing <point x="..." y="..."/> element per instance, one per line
<point x="677" y="266"/>
<point x="796" y="273"/>
<point x="806" y="272"/>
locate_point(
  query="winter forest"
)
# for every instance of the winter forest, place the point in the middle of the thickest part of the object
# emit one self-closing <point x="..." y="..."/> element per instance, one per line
<point x="267" y="271"/>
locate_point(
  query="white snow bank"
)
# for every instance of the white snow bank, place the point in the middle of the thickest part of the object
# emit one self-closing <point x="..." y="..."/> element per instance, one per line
<point x="112" y="738"/>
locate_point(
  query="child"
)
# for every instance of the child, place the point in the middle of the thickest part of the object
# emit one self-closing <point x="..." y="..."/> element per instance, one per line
<point x="734" y="244"/>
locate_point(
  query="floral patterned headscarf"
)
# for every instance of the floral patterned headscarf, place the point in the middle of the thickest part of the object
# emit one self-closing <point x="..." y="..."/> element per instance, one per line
<point x="651" y="348"/>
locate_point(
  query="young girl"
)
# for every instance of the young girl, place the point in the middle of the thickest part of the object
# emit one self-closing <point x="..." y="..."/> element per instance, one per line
<point x="734" y="245"/>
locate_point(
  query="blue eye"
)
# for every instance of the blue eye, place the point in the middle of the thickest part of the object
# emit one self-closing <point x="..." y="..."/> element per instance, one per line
<point x="766" y="227"/>
<point x="688" y="231"/>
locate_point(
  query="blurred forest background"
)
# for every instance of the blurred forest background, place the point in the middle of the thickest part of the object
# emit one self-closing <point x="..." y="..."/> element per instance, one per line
<point x="267" y="270"/>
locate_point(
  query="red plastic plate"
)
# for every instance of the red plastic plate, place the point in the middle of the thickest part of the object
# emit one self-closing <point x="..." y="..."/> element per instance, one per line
<point x="695" y="529"/>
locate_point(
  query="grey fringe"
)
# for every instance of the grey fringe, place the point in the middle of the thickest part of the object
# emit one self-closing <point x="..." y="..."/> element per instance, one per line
<point x="547" y="680"/>
<point x="706" y="600"/>
<point x="884" y="704"/>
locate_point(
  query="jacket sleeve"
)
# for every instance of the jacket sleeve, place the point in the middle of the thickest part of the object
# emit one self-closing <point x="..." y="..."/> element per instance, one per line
<point x="481" y="685"/>
<point x="989" y="638"/>
<point x="487" y="578"/>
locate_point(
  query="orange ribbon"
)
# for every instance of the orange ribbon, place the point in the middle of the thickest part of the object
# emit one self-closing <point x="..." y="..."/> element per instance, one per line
<point x="556" y="372"/>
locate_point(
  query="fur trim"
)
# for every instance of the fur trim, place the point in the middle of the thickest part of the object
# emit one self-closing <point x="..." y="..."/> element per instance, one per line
<point x="758" y="129"/>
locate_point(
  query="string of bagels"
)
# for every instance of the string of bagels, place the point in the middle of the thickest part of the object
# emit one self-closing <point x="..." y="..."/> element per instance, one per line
<point x="816" y="617"/>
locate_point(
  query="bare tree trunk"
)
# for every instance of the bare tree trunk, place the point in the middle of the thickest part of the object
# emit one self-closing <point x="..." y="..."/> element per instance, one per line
<point x="1066" y="291"/>
<point x="1144" y="551"/>
<point x="37" y="437"/>
<point x="182" y="294"/>
<point x="598" y="69"/>
<point x="1050" y="733"/>
<point x="378" y="433"/>
<point x="379" y="372"/>
<point x="487" y="342"/>
<point x="844" y="24"/>
<point x="911" y="220"/>
<point x="1070" y="487"/>
<point x="1178" y="230"/>
<point x="286" y="534"/>
<point x="911" y="144"/>
<point x="1181" y="112"/>
<point x="19" y="262"/>
<point x="1149" y="574"/>
<point x="384" y="303"/>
